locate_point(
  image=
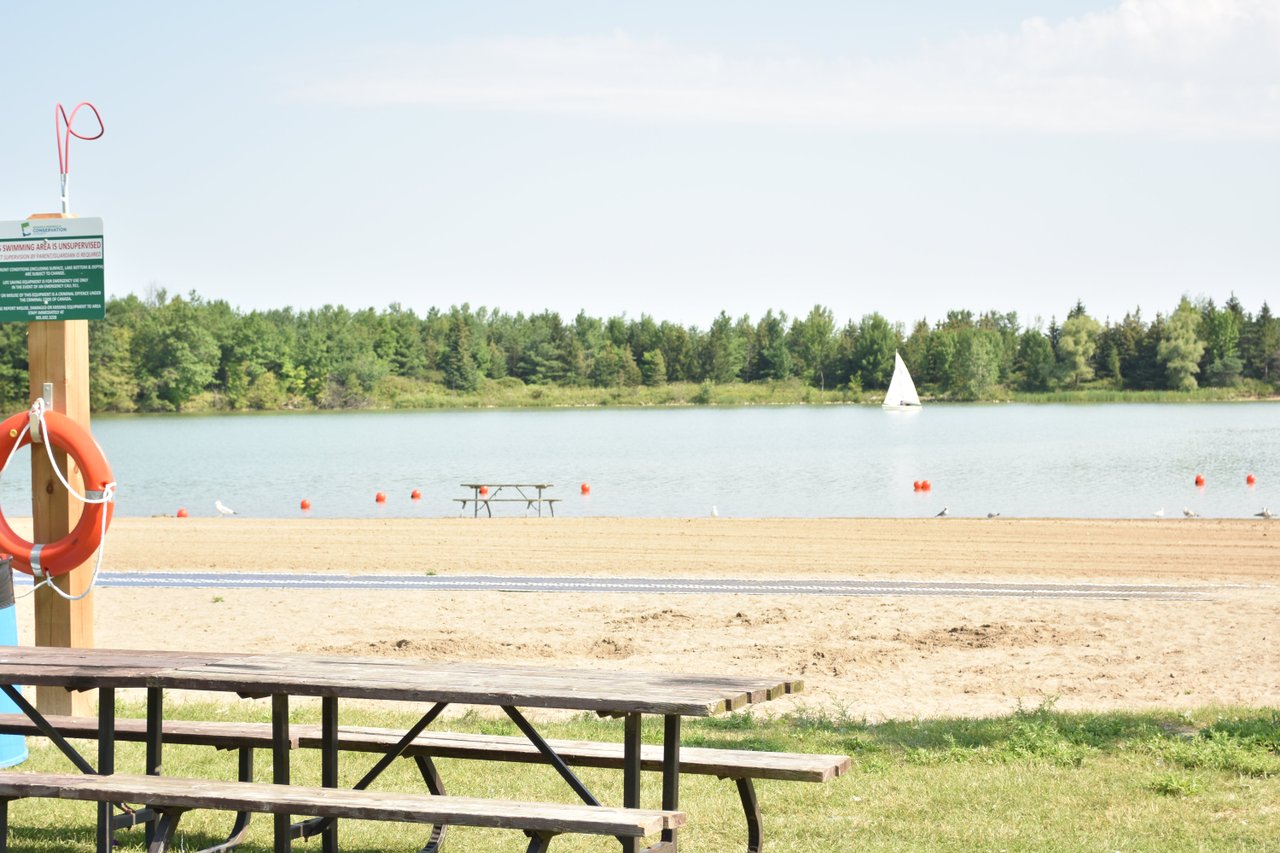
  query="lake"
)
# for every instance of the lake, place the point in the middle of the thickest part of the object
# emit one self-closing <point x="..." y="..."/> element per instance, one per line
<point x="1123" y="460"/>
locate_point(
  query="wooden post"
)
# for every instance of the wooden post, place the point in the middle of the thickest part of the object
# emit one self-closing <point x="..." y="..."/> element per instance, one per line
<point x="58" y="354"/>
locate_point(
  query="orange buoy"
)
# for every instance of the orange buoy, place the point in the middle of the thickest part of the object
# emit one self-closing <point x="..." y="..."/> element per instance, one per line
<point x="306" y="504"/>
<point x="926" y="486"/>
<point x="1249" y="479"/>
<point x="915" y="485"/>
<point x="484" y="490"/>
<point x="380" y="497"/>
<point x="586" y="488"/>
<point x="1199" y="479"/>
<point x="416" y="494"/>
<point x="182" y="512"/>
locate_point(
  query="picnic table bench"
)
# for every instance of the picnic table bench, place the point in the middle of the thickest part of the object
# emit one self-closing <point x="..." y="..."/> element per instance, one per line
<point x="531" y="500"/>
<point x="170" y="797"/>
<point x="742" y="766"/>
<point x="629" y="695"/>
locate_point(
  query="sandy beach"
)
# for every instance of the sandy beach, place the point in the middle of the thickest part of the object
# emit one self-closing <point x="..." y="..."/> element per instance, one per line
<point x="874" y="657"/>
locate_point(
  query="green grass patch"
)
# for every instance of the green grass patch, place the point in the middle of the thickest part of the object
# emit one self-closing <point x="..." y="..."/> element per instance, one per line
<point x="1035" y="780"/>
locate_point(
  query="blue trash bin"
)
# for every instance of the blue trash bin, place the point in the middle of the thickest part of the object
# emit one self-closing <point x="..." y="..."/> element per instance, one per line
<point x="13" y="748"/>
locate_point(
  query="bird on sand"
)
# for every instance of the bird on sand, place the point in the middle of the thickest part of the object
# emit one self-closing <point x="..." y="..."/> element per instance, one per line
<point x="223" y="509"/>
<point x="714" y="512"/>
<point x="1266" y="513"/>
<point x="1190" y="513"/>
<point x="1159" y="513"/>
<point x="945" y="512"/>
<point x="993" y="515"/>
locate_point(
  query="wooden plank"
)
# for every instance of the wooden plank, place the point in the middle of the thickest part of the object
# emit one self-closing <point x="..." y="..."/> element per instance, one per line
<point x="709" y="761"/>
<point x="593" y="690"/>
<point x="706" y="761"/>
<point x="58" y="353"/>
<point x="395" y="679"/>
<point x="161" y="791"/>
<point x="220" y="735"/>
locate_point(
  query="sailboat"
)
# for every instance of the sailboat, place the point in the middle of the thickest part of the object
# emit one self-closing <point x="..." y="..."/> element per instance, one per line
<point x="901" y="396"/>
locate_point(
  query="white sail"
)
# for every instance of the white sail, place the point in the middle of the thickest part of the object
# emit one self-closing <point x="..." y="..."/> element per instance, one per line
<point x="902" y="391"/>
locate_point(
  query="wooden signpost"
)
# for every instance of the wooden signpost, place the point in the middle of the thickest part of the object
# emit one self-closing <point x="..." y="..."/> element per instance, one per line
<point x="58" y="355"/>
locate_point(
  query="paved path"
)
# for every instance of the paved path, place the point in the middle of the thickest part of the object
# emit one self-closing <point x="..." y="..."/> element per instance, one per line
<point x="692" y="586"/>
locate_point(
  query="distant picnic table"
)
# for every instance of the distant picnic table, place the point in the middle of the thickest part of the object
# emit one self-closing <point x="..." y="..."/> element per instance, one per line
<point x="533" y="498"/>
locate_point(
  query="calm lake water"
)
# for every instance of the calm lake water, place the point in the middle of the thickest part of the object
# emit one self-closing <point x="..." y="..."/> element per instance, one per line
<point x="1019" y="460"/>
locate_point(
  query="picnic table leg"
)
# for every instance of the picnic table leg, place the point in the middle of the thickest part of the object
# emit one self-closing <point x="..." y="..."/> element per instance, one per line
<point x="329" y="763"/>
<point x="106" y="762"/>
<point x="631" y="762"/>
<point x="165" y="827"/>
<point x="670" y="772"/>
<point x="435" y="785"/>
<point x="155" y="745"/>
<point x="280" y="766"/>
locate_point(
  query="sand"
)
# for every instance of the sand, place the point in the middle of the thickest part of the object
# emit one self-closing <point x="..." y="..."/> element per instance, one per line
<point x="873" y="657"/>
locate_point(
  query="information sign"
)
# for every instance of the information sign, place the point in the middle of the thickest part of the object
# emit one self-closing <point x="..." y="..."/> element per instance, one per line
<point x="51" y="269"/>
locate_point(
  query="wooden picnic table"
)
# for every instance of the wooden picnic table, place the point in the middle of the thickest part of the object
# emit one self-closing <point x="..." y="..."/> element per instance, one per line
<point x="440" y="683"/>
<point x="492" y="489"/>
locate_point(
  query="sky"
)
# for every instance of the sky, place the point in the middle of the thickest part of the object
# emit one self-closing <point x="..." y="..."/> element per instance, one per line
<point x="673" y="159"/>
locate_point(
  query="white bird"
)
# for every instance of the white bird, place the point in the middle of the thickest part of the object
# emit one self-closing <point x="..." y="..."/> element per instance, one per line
<point x="1159" y="513"/>
<point x="223" y="509"/>
<point x="1190" y="513"/>
<point x="945" y="511"/>
<point x="1266" y="513"/>
<point x="993" y="515"/>
<point x="714" y="512"/>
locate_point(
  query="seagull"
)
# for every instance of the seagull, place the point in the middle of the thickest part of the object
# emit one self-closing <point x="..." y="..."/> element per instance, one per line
<point x="1266" y="513"/>
<point x="945" y="511"/>
<point x="223" y="509"/>
<point x="1190" y="513"/>
<point x="714" y="512"/>
<point x="993" y="515"/>
<point x="1159" y="513"/>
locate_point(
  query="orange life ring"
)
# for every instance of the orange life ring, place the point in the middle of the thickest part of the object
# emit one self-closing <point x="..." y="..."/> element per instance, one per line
<point x="74" y="549"/>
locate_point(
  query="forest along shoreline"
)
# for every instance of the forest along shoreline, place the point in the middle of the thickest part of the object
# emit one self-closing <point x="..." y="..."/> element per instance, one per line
<point x="168" y="353"/>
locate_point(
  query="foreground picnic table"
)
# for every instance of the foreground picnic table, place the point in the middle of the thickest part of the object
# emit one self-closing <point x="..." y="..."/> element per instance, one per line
<point x="486" y="500"/>
<point x="611" y="693"/>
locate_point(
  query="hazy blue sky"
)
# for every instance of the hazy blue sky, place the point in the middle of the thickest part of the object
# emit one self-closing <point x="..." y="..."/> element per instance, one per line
<point x="674" y="158"/>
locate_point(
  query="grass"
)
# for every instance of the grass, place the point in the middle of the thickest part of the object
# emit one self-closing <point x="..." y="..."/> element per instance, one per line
<point x="1037" y="780"/>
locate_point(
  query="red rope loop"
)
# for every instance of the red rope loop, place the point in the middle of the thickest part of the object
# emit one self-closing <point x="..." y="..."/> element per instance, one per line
<point x="63" y="130"/>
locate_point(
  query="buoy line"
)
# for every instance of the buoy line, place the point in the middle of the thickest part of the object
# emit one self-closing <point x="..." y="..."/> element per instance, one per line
<point x="490" y="583"/>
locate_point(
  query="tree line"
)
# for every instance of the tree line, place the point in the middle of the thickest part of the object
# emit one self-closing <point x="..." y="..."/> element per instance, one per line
<point x="168" y="352"/>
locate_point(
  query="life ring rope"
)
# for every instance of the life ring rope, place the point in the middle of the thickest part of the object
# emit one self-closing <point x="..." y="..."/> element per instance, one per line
<point x="104" y="496"/>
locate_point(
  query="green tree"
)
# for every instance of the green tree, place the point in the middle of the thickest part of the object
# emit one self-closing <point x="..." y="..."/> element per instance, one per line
<point x="653" y="368"/>
<point x="1035" y="361"/>
<point x="457" y="362"/>
<point x="723" y="352"/>
<point x="1220" y="330"/>
<point x="1181" y="348"/>
<point x="978" y="363"/>
<point x="772" y="356"/>
<point x="813" y="342"/>
<point x="873" y="353"/>
<point x="113" y="386"/>
<point x="175" y="354"/>
<point x="1077" y="343"/>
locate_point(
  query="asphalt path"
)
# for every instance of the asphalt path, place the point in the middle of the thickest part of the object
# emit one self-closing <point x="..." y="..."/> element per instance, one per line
<point x="690" y="586"/>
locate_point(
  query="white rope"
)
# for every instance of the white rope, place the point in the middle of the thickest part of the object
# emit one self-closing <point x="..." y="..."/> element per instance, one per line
<point x="108" y="496"/>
